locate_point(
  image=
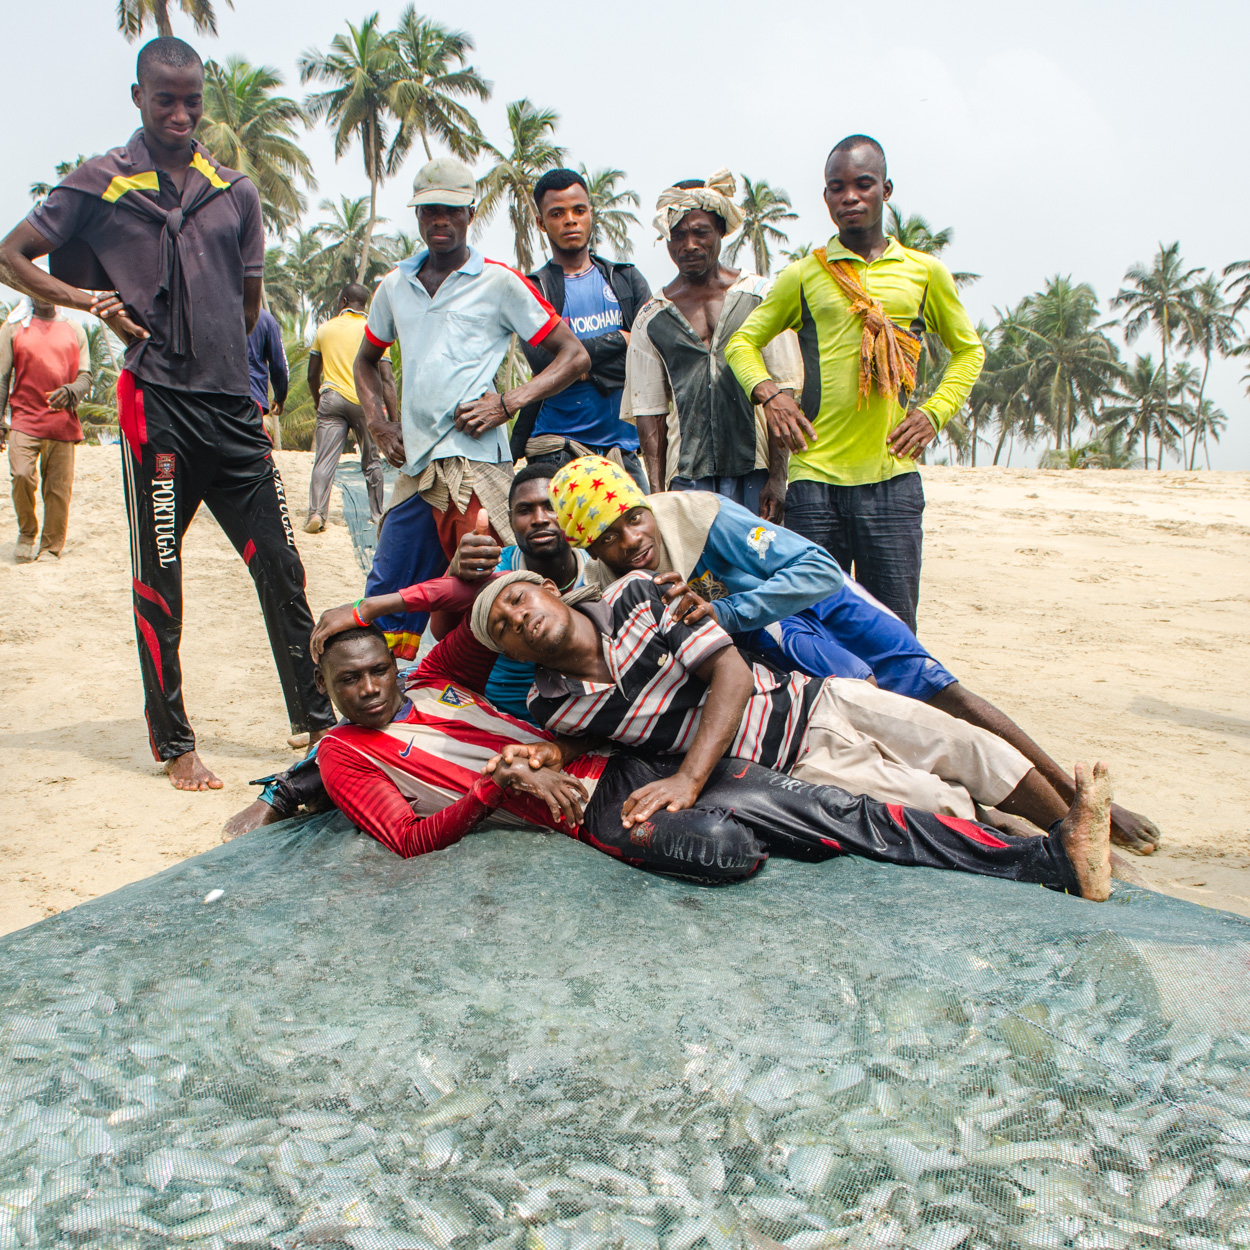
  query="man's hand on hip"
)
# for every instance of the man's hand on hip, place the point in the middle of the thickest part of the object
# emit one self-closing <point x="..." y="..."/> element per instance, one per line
<point x="480" y="415"/>
<point x="911" y="436"/>
<point x="389" y="436"/>
<point x="108" y="306"/>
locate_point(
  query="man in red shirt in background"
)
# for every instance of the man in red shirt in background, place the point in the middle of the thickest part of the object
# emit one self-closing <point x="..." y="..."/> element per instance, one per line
<point x="45" y="370"/>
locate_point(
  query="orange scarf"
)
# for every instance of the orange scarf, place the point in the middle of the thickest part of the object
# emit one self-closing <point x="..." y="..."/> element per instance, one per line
<point x="886" y="353"/>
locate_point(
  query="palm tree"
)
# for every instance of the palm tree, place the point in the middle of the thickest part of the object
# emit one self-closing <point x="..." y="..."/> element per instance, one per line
<point x="1210" y="327"/>
<point x="342" y="239"/>
<point x="1141" y="408"/>
<point x="292" y="275"/>
<point x="511" y="178"/>
<point x="430" y="74"/>
<point x="363" y="67"/>
<point x="248" y="128"/>
<point x="1206" y="420"/>
<point x="1071" y="362"/>
<point x="1237" y="276"/>
<point x="1161" y="296"/>
<point x="916" y="233"/>
<point x="134" y="15"/>
<point x="611" y="219"/>
<point x="797" y="252"/>
<point x="762" y="207"/>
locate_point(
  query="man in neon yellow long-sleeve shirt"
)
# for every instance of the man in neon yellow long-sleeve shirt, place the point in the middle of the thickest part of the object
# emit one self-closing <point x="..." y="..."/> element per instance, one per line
<point x="854" y="487"/>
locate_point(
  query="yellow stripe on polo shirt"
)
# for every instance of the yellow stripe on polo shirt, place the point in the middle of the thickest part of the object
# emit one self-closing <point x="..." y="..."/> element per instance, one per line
<point x="139" y="182"/>
<point x="850" y="447"/>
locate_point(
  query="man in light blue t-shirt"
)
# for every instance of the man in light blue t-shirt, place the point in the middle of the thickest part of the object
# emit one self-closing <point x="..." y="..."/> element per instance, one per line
<point x="598" y="300"/>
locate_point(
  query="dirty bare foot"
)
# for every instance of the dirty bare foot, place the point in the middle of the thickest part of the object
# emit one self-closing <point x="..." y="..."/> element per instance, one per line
<point x="297" y="742"/>
<point x="1086" y="832"/>
<point x="1135" y="833"/>
<point x="187" y="772"/>
<point x="251" y="817"/>
<point x="24" y="552"/>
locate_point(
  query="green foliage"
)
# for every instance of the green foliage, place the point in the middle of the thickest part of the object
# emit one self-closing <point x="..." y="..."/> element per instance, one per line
<point x="611" y="219"/>
<point x="916" y="233"/>
<point x="249" y="128"/>
<point x="134" y="15"/>
<point x="510" y="179"/>
<point x="763" y="207"/>
<point x="431" y="74"/>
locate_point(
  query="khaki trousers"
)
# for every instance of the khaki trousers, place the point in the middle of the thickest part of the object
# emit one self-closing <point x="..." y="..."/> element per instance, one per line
<point x="49" y="459"/>
<point x="899" y="750"/>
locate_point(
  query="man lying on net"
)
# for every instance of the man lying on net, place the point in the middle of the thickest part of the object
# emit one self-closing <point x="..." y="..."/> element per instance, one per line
<point x="693" y="711"/>
<point x="786" y="598"/>
<point x="419" y="763"/>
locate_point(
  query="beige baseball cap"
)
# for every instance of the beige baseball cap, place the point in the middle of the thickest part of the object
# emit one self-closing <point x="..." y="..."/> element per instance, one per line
<point x="443" y="181"/>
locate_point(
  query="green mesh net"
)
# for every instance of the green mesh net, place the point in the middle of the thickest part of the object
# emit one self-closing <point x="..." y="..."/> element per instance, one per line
<point x="520" y="1042"/>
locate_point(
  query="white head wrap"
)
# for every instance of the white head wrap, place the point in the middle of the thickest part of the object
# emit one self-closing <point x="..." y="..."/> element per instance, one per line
<point x="479" y="618"/>
<point x="714" y="196"/>
<point x="24" y="312"/>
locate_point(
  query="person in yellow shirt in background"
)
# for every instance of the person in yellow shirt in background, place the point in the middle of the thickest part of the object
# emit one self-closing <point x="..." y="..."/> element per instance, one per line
<point x="859" y="307"/>
<point x="333" y="390"/>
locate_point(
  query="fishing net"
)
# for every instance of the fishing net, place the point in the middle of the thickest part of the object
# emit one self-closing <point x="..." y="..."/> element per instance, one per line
<point x="519" y="1042"/>
<point x="354" y="492"/>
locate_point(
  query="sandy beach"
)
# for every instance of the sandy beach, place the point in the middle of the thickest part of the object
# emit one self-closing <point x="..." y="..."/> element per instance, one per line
<point x="1109" y="613"/>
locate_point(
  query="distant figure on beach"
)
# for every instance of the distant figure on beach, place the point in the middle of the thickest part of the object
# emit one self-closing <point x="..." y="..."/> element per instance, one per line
<point x="45" y="372"/>
<point x="598" y="299"/>
<point x="453" y="313"/>
<point x="267" y="365"/>
<point x="860" y="306"/>
<point x="333" y="388"/>
<point x="698" y="427"/>
<point x="170" y="248"/>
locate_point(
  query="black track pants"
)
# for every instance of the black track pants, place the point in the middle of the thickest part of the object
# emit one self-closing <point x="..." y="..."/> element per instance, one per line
<point x="179" y="449"/>
<point x="746" y="811"/>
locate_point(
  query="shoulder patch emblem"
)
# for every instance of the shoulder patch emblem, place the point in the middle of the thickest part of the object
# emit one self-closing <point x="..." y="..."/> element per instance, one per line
<point x="759" y="539"/>
<point x="452" y="696"/>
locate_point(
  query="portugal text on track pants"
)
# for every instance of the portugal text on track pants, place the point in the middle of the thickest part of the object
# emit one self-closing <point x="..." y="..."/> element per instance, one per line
<point x="180" y="448"/>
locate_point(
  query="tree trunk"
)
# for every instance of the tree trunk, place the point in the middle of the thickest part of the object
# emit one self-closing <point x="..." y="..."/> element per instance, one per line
<point x="425" y="143"/>
<point x="1167" y="395"/>
<point x="1002" y="438"/>
<point x="371" y="149"/>
<point x="160" y="13"/>
<point x="1193" y="454"/>
<point x="974" y="442"/>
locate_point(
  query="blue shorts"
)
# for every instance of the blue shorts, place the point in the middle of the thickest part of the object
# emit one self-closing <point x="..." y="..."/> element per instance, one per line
<point x="408" y="552"/>
<point x="851" y="634"/>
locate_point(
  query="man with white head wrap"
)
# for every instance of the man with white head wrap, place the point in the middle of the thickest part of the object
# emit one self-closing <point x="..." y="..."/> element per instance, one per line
<point x="45" y="370"/>
<point x="697" y="427"/>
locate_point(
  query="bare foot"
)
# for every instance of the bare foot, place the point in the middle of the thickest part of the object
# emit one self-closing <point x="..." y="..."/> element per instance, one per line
<point x="297" y="742"/>
<point x="251" y="817"/>
<point x="1086" y="832"/>
<point x="1135" y="832"/>
<point x="187" y="772"/>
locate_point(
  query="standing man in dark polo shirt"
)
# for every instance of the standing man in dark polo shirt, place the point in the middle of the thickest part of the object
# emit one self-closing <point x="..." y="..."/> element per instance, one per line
<point x="170" y="247"/>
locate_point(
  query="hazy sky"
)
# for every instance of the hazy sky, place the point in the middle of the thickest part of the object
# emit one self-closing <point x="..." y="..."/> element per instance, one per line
<point x="1053" y="138"/>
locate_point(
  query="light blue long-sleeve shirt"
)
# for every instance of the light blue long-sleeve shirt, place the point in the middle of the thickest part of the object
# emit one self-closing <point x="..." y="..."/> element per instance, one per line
<point x="765" y="572"/>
